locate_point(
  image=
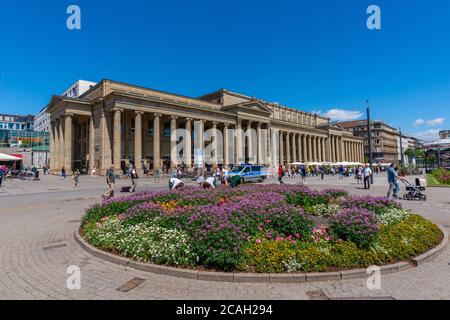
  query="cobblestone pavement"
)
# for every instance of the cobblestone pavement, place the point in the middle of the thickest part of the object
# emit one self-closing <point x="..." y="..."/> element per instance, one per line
<point x="38" y="219"/>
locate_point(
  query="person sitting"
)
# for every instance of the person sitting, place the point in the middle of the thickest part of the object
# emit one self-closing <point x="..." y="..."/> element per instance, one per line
<point x="175" y="183"/>
<point x="210" y="183"/>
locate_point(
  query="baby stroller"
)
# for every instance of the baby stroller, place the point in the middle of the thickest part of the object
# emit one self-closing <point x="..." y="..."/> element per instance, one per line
<point x="414" y="191"/>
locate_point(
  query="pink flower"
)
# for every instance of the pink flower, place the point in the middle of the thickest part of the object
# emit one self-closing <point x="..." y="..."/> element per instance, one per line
<point x="258" y="241"/>
<point x="267" y="221"/>
<point x="297" y="235"/>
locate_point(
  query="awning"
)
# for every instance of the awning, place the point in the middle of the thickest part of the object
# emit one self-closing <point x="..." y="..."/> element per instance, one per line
<point x="7" y="157"/>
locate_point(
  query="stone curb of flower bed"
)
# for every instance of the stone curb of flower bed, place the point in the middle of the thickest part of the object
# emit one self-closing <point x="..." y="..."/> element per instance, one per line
<point x="260" y="277"/>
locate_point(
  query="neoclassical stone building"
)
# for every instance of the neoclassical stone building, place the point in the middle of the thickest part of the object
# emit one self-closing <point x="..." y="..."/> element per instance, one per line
<point x="114" y="122"/>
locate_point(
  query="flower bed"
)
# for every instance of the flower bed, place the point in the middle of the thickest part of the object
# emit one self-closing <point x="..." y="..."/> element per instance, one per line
<point x="258" y="228"/>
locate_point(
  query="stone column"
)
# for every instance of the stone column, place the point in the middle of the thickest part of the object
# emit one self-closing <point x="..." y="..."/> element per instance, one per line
<point x="173" y="142"/>
<point x="117" y="140"/>
<point x="313" y="149"/>
<point x="324" y="149"/>
<point x="259" y="144"/>
<point x="238" y="142"/>
<point x="156" y="142"/>
<point x="320" y="149"/>
<point x="275" y="152"/>
<point x="339" y="147"/>
<point x="250" y="142"/>
<point x="362" y="152"/>
<point x="61" y="143"/>
<point x="188" y="143"/>
<point x="288" y="148"/>
<point x="269" y="145"/>
<point x="225" y="144"/>
<point x="310" y="156"/>
<point x="317" y="149"/>
<point x="294" y="148"/>
<point x="201" y="140"/>
<point x="304" y="148"/>
<point x="300" y="149"/>
<point x="138" y="139"/>
<point x="68" y="143"/>
<point x="52" y="146"/>
<point x="336" y="148"/>
<point x="281" y="149"/>
<point x="91" y="143"/>
<point x="345" y="150"/>
<point x="214" y="143"/>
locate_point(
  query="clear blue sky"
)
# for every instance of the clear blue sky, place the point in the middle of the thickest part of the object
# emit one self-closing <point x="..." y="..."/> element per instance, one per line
<point x="314" y="55"/>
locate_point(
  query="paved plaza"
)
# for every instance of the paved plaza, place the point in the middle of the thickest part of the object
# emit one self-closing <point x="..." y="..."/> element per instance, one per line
<point x="38" y="220"/>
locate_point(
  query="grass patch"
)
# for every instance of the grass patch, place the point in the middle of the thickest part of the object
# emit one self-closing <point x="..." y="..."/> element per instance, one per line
<point x="433" y="182"/>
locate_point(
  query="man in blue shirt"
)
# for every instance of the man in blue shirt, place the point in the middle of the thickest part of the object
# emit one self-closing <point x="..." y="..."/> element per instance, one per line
<point x="2" y="173"/>
<point x="392" y="179"/>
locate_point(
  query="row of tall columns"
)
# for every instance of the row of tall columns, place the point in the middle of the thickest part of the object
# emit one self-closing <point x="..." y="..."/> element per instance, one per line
<point x="61" y="143"/>
<point x="296" y="147"/>
<point x="291" y="147"/>
<point x="354" y="151"/>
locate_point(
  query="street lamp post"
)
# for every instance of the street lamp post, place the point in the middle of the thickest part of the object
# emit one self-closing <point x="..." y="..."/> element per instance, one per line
<point x="369" y="138"/>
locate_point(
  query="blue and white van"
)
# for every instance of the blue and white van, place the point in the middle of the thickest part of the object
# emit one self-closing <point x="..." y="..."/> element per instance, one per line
<point x="249" y="173"/>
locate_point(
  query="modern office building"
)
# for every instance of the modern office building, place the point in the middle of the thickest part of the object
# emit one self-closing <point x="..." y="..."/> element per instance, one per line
<point x="115" y="122"/>
<point x="385" y="139"/>
<point x="18" y="138"/>
<point x="16" y="122"/>
<point x="42" y="119"/>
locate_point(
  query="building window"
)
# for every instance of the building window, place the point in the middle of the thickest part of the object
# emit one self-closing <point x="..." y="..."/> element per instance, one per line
<point x="166" y="132"/>
<point x="150" y="128"/>
<point x="133" y="126"/>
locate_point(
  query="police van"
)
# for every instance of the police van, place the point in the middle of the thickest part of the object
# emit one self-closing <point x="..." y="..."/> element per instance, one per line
<point x="249" y="173"/>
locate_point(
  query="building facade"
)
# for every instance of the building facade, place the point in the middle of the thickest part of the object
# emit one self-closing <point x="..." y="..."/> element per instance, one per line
<point x="115" y="122"/>
<point x="16" y="122"/>
<point x="42" y="121"/>
<point x="444" y="134"/>
<point x="385" y="139"/>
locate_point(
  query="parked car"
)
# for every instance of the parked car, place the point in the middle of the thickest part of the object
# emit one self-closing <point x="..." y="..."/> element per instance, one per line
<point x="248" y="173"/>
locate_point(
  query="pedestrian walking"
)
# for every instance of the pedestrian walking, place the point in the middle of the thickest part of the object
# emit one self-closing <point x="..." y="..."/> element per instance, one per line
<point x="93" y="172"/>
<point x="76" y="178"/>
<point x="358" y="175"/>
<point x="134" y="176"/>
<point x="393" y="181"/>
<point x="63" y="173"/>
<point x="110" y="181"/>
<point x="367" y="173"/>
<point x="341" y="172"/>
<point x="2" y="174"/>
<point x="303" y="173"/>
<point x="280" y="174"/>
